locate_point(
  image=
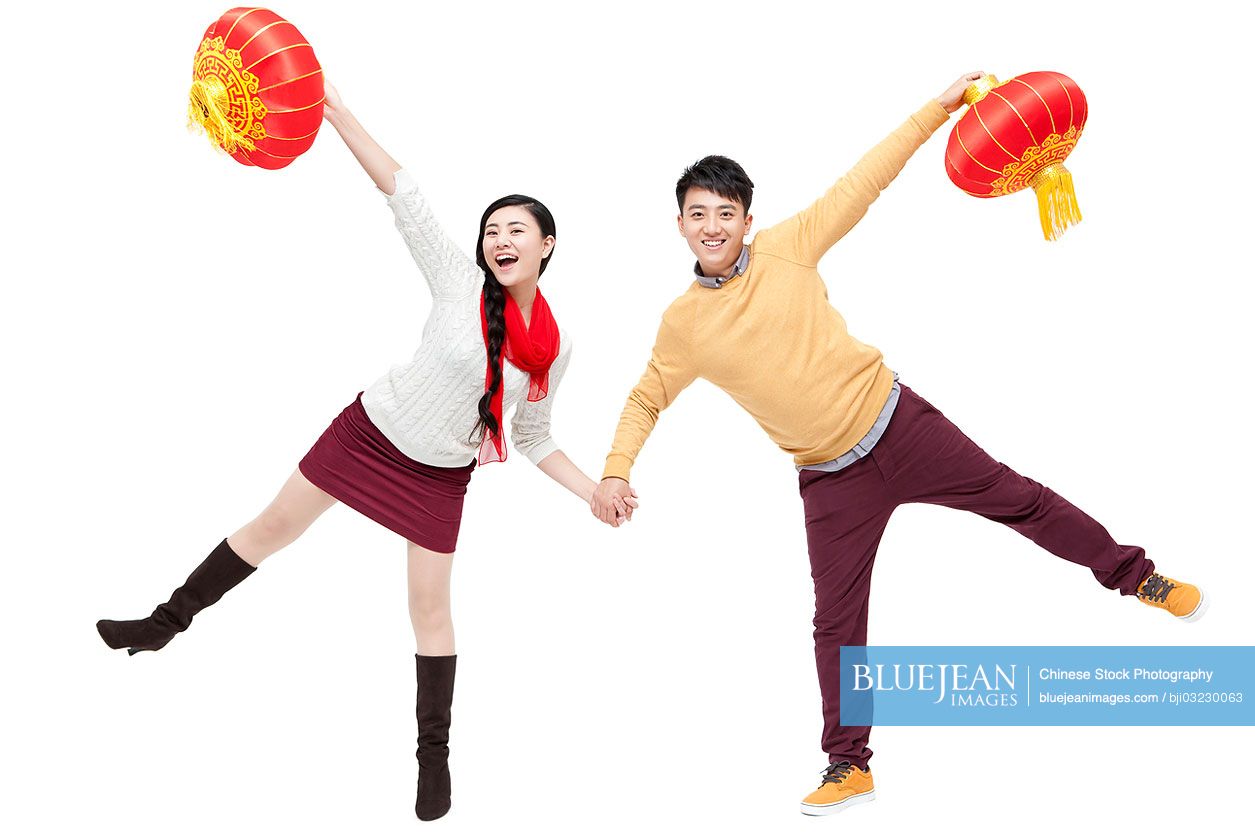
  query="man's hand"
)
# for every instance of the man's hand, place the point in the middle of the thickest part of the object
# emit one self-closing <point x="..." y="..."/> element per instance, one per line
<point x="613" y="501"/>
<point x="952" y="99"/>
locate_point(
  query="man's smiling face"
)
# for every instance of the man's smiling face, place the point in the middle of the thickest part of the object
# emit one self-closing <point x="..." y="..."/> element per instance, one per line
<point x="715" y="228"/>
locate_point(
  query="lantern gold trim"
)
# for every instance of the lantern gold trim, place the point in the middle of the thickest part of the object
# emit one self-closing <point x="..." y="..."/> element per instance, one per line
<point x="979" y="89"/>
<point x="223" y="100"/>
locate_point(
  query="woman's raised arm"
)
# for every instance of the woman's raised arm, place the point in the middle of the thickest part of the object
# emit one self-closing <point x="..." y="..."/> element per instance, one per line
<point x="449" y="272"/>
<point x="377" y="162"/>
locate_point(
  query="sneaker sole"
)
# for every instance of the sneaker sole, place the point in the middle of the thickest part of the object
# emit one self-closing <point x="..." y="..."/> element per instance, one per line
<point x="837" y="806"/>
<point x="1199" y="610"/>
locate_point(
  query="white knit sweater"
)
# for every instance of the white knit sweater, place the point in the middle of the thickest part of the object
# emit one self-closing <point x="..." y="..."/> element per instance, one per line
<point x="428" y="407"/>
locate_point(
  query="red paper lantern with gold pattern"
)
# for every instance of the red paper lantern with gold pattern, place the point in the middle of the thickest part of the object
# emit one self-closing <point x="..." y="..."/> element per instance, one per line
<point x="257" y="89"/>
<point x="1016" y="134"/>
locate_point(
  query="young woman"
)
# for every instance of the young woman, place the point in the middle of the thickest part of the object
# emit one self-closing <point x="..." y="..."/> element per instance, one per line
<point x="403" y="452"/>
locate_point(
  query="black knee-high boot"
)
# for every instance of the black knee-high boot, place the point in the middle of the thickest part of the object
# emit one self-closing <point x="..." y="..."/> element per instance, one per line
<point x="435" y="697"/>
<point x="208" y="582"/>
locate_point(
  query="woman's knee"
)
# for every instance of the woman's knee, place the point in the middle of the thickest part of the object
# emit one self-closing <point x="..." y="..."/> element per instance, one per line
<point x="430" y="620"/>
<point x="275" y="527"/>
<point x="296" y="507"/>
<point x="278" y="526"/>
<point x="429" y="605"/>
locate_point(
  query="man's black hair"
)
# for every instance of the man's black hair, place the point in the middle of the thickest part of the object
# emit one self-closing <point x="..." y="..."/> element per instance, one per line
<point x="717" y="174"/>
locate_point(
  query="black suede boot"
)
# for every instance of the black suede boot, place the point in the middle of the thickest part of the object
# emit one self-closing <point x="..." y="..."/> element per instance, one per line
<point x="435" y="696"/>
<point x="208" y="582"/>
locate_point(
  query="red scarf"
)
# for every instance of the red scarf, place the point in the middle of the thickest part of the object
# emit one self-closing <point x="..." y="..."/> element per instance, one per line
<point x="531" y="348"/>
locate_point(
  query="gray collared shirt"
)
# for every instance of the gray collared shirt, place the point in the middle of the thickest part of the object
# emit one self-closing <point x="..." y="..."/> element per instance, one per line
<point x="737" y="269"/>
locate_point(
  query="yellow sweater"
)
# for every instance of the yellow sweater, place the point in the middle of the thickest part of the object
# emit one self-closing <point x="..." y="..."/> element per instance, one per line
<point x="769" y="337"/>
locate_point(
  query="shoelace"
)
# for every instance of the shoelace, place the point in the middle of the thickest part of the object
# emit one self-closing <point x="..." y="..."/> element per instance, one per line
<point x="837" y="772"/>
<point x="1156" y="588"/>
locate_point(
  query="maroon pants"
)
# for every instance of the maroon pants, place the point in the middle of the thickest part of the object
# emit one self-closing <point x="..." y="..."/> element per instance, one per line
<point x="922" y="457"/>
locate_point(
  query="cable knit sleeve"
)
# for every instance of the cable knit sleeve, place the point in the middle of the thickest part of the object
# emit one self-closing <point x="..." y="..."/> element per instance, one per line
<point x="449" y="273"/>
<point x="529" y="430"/>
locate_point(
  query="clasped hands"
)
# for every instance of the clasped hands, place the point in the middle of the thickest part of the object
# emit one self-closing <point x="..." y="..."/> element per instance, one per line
<point x="613" y="501"/>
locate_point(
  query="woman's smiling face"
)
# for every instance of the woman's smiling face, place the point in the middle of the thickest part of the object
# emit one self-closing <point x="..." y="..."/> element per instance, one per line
<point x="513" y="245"/>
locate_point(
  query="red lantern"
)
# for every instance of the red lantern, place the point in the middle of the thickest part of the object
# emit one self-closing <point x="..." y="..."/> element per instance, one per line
<point x="257" y="88"/>
<point x="1016" y="134"/>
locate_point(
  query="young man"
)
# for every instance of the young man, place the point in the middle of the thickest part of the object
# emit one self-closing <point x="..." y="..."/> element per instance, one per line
<point x="863" y="444"/>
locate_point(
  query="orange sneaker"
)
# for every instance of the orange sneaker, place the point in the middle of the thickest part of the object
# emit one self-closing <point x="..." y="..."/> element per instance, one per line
<point x="1184" y="600"/>
<point x="843" y="787"/>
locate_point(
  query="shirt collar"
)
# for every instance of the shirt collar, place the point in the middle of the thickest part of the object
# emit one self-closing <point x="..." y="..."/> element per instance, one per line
<point x="718" y="281"/>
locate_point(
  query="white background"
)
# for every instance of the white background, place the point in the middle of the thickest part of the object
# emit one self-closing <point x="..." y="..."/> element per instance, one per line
<point x="178" y="329"/>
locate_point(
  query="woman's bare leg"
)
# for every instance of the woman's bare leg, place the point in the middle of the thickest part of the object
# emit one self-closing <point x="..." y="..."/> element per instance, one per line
<point x="429" y="574"/>
<point x="298" y="504"/>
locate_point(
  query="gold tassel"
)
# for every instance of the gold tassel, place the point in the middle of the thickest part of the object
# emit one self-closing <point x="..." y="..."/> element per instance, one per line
<point x="1056" y="200"/>
<point x="207" y="108"/>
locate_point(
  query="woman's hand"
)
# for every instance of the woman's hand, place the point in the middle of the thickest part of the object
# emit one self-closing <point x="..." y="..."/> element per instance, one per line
<point x="558" y="467"/>
<point x="331" y="104"/>
<point x="952" y="99"/>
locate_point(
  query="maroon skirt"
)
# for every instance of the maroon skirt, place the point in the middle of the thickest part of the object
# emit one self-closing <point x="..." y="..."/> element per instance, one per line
<point x="353" y="462"/>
